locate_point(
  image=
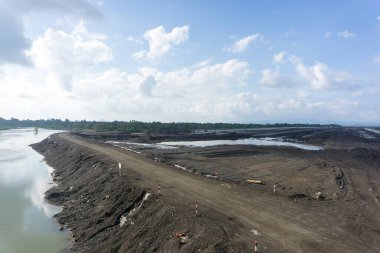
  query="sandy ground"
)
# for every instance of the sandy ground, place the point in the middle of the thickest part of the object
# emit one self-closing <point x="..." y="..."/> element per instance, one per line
<point x="326" y="201"/>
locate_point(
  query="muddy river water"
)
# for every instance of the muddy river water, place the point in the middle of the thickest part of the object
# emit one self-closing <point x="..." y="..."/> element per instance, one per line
<point x="26" y="223"/>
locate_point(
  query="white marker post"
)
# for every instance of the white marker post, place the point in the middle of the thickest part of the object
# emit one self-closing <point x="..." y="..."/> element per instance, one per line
<point x="256" y="250"/>
<point x="120" y="169"/>
<point x="196" y="209"/>
<point x="274" y="189"/>
<point x="159" y="190"/>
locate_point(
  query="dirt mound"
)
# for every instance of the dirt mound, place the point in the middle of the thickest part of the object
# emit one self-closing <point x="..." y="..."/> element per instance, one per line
<point x="295" y="172"/>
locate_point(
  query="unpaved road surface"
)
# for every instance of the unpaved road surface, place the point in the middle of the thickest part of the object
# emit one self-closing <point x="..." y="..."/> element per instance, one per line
<point x="278" y="223"/>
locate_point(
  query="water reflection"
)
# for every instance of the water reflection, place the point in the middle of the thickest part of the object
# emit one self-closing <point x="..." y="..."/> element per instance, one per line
<point x="36" y="195"/>
<point x="25" y="218"/>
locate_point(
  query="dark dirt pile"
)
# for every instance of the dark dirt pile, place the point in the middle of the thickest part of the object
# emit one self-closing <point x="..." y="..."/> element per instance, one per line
<point x="296" y="173"/>
<point x="106" y="212"/>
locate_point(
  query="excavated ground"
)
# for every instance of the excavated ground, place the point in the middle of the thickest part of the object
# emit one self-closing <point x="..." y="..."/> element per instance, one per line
<point x="326" y="201"/>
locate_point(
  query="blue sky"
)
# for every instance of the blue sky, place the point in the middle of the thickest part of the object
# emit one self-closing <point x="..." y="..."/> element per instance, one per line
<point x="204" y="61"/>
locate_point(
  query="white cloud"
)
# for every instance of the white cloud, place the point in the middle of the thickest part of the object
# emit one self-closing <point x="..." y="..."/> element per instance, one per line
<point x="202" y="63"/>
<point x="270" y="77"/>
<point x="62" y="54"/>
<point x="274" y="79"/>
<point x="294" y="108"/>
<point x="371" y="115"/>
<point x="135" y="40"/>
<point x="222" y="73"/>
<point x="357" y="93"/>
<point x="345" y="34"/>
<point x="289" y="104"/>
<point x="302" y="94"/>
<point x="240" y="45"/>
<point x="316" y="75"/>
<point x="280" y="57"/>
<point x="319" y="76"/>
<point x="328" y="34"/>
<point x="160" y="42"/>
<point x="30" y="98"/>
<point x="378" y="18"/>
<point x="341" y="77"/>
<point x="338" y="105"/>
<point x="376" y="59"/>
<point x="139" y="54"/>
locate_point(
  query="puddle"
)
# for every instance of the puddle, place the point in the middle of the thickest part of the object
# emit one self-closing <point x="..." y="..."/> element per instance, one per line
<point x="177" y="144"/>
<point x="248" y="141"/>
<point x="366" y="135"/>
<point x="141" y="145"/>
<point x="373" y="130"/>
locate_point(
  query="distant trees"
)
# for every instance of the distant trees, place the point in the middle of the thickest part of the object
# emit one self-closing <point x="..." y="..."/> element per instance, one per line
<point x="138" y="126"/>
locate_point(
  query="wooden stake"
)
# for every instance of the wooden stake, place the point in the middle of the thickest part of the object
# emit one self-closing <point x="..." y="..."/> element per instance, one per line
<point x="255" y="244"/>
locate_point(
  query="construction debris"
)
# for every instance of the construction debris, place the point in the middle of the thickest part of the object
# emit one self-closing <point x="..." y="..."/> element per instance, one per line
<point x="183" y="237"/>
<point x="254" y="181"/>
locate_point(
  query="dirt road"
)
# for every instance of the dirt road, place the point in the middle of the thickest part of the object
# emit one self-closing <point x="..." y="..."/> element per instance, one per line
<point x="279" y="224"/>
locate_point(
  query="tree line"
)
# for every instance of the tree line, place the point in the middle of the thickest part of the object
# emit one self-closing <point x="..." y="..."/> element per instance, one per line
<point x="138" y="126"/>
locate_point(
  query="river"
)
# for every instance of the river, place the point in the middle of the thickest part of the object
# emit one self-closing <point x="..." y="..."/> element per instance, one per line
<point x="26" y="223"/>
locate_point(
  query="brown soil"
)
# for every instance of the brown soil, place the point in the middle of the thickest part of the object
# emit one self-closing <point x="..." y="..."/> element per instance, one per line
<point x="326" y="201"/>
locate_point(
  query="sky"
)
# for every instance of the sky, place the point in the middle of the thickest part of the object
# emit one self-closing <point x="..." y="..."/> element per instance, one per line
<point x="246" y="61"/>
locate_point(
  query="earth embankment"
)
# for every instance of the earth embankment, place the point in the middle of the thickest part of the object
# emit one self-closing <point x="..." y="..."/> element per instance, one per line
<point x="112" y="210"/>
